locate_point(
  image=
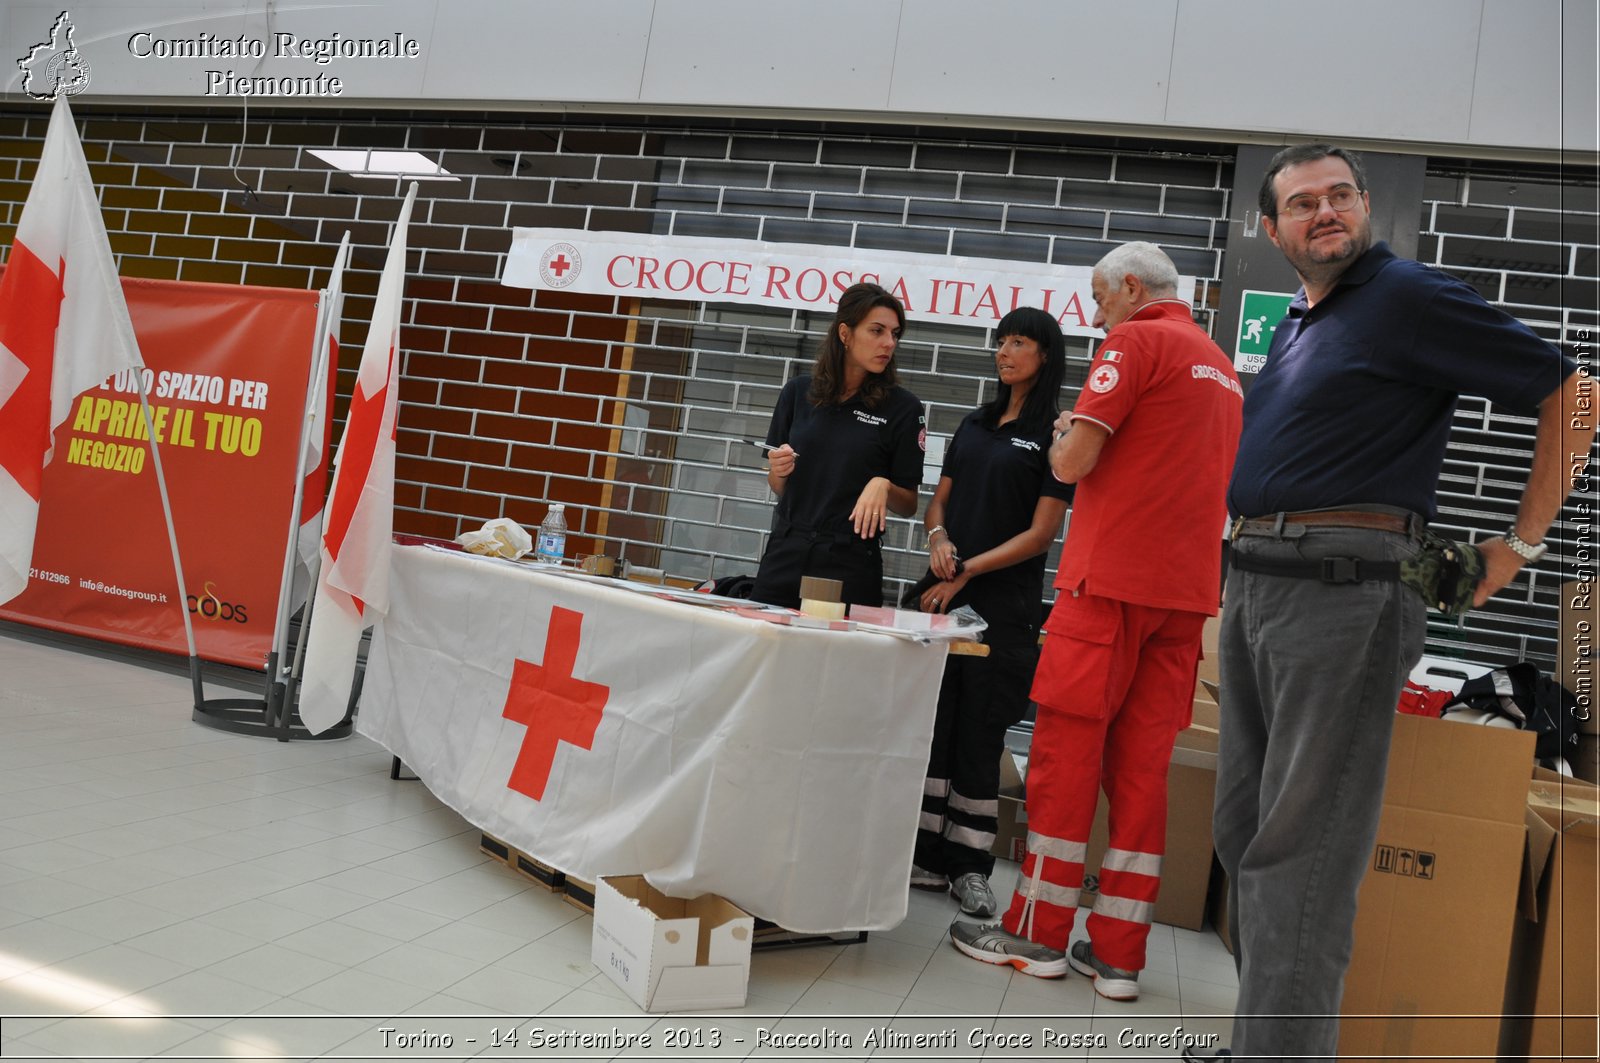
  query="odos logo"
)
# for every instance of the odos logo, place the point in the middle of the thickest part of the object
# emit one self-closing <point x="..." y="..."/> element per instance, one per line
<point x="211" y="607"/>
<point x="560" y="265"/>
<point x="55" y="66"/>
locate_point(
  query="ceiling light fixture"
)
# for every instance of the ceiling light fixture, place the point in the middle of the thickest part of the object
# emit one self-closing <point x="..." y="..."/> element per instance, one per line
<point x="373" y="162"/>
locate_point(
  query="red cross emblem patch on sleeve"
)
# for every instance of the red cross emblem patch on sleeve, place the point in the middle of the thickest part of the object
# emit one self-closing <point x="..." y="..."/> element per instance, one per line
<point x="553" y="705"/>
<point x="1103" y="379"/>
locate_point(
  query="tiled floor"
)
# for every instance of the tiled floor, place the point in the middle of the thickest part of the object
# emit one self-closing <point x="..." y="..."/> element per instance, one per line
<point x="168" y="890"/>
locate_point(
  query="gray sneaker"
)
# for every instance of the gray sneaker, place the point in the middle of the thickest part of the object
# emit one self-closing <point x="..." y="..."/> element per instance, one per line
<point x="991" y="944"/>
<point x="972" y="890"/>
<point x="1113" y="983"/>
<point x="923" y="879"/>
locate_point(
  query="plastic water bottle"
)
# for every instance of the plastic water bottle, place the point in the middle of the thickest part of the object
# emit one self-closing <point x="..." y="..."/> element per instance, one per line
<point x="553" y="535"/>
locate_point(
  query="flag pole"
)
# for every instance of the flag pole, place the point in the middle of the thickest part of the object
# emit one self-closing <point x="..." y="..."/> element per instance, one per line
<point x="136" y="364"/>
<point x="278" y="705"/>
<point x="353" y="582"/>
<point x="280" y="623"/>
<point x="172" y="533"/>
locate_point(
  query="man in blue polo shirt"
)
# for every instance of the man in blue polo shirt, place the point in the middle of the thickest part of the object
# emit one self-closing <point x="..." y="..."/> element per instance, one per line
<point x="1344" y="437"/>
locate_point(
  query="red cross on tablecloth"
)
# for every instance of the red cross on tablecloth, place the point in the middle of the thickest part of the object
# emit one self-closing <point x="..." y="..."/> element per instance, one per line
<point x="559" y="265"/>
<point x="554" y="706"/>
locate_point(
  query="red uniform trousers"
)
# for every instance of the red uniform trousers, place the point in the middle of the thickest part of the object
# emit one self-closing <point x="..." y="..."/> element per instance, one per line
<point x="1115" y="685"/>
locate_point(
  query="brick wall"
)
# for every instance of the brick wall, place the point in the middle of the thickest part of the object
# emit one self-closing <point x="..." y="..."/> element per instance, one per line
<point x="632" y="412"/>
<point x="1528" y="239"/>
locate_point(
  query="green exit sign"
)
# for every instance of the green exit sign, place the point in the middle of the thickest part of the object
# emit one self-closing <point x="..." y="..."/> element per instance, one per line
<point x="1259" y="314"/>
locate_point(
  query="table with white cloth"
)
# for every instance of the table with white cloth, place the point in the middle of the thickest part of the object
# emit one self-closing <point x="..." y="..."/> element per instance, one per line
<point x="606" y="731"/>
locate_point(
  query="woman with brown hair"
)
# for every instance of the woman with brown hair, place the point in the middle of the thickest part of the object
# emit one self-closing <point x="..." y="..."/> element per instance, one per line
<point x="847" y="444"/>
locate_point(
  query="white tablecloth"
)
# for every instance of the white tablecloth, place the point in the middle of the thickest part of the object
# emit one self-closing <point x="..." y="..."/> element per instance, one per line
<point x="778" y="767"/>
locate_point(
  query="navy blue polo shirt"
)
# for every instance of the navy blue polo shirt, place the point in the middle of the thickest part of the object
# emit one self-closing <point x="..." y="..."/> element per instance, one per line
<point x="838" y="448"/>
<point x="997" y="476"/>
<point x="1354" y="403"/>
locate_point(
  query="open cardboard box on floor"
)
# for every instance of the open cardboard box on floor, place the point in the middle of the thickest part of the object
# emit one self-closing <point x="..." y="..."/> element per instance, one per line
<point x="670" y="954"/>
<point x="1457" y="847"/>
<point x="1554" y="967"/>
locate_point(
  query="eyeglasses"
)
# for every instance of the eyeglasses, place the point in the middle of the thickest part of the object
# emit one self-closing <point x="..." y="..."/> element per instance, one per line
<point x="1304" y="207"/>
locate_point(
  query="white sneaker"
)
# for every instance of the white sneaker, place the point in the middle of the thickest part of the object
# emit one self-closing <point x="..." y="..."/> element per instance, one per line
<point x="1113" y="983"/>
<point x="992" y="944"/>
<point x="972" y="890"/>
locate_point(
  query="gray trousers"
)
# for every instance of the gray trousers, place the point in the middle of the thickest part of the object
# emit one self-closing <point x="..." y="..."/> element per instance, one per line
<point x="1311" y="673"/>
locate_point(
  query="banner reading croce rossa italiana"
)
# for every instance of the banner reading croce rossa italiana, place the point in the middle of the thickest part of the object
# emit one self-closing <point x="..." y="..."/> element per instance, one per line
<point x="951" y="289"/>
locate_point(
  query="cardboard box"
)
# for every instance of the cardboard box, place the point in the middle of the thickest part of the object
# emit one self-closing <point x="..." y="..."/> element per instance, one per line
<point x="1585" y="762"/>
<point x="1011" y="838"/>
<point x="493" y="847"/>
<point x="1209" y="636"/>
<point x="1206" y="720"/>
<point x="1439" y="904"/>
<point x="1576" y="657"/>
<point x="537" y="871"/>
<point x="1559" y="999"/>
<point x="670" y="954"/>
<point x="578" y="893"/>
<point x="1218" y="906"/>
<point x="523" y="864"/>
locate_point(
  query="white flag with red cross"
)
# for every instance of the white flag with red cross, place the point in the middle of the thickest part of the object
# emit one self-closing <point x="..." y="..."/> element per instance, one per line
<point x="64" y="328"/>
<point x="318" y="443"/>
<point x="353" y="583"/>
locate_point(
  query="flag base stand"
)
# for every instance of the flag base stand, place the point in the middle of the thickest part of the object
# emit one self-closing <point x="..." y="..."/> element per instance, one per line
<point x="272" y="715"/>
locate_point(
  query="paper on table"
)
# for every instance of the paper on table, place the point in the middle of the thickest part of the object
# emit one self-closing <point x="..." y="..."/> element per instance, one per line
<point x="964" y="623"/>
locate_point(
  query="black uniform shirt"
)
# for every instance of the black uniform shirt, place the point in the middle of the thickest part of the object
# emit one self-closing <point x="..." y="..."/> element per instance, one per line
<point x="997" y="476"/>
<point x="838" y="449"/>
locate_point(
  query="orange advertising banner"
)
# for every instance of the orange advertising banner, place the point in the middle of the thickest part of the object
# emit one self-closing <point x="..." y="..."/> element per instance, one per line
<point x="226" y="374"/>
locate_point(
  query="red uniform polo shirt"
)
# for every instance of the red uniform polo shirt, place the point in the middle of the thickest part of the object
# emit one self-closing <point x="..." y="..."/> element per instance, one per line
<point x="1147" y="523"/>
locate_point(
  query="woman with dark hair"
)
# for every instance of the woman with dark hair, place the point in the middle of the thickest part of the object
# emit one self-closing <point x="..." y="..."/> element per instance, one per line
<point x="994" y="515"/>
<point x="847" y="446"/>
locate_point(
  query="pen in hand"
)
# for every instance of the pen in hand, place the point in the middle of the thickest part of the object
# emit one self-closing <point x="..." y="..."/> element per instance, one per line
<point x="765" y="446"/>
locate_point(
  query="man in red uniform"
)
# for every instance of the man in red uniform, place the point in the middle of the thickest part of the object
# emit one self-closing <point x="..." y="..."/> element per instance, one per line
<point x="1150" y="445"/>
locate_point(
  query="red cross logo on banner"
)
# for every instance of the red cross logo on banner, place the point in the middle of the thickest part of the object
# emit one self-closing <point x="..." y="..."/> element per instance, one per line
<point x="560" y="265"/>
<point x="553" y="705"/>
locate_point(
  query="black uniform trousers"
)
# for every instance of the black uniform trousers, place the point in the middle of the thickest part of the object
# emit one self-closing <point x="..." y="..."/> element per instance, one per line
<point x="793" y="553"/>
<point x="979" y="699"/>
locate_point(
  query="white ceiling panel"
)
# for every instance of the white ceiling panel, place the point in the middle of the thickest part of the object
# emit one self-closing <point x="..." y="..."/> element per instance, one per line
<point x="1036" y="59"/>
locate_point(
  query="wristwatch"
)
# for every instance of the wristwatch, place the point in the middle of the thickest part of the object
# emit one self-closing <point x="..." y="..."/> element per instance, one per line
<point x="935" y="530"/>
<point x="1528" y="553"/>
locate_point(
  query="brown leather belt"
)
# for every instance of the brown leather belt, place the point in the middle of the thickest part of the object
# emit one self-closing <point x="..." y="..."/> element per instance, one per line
<point x="1325" y="518"/>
